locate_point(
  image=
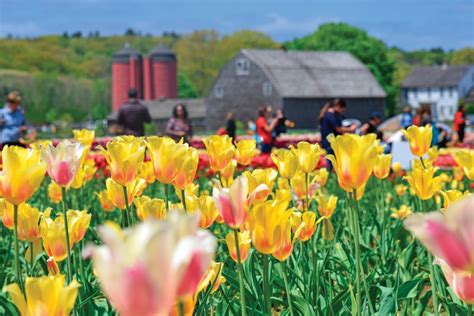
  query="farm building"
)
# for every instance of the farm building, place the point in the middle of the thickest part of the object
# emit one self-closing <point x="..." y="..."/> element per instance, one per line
<point x="298" y="82"/>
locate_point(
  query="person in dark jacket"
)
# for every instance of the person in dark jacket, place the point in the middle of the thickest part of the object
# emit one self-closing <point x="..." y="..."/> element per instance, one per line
<point x="133" y="115"/>
<point x="231" y="127"/>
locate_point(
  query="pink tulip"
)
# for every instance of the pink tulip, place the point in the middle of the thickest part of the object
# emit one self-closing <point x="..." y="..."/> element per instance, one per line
<point x="144" y="270"/>
<point x="63" y="162"/>
<point x="450" y="237"/>
<point x="233" y="203"/>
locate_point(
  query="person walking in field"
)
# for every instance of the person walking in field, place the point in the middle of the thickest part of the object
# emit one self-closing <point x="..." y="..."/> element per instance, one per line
<point x="12" y="121"/>
<point x="179" y="126"/>
<point x="331" y="122"/>
<point x="133" y="115"/>
<point x="265" y="129"/>
<point x="460" y="123"/>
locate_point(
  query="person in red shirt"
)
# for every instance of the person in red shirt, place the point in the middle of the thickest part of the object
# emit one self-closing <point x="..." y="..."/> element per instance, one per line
<point x="264" y="130"/>
<point x="460" y="123"/>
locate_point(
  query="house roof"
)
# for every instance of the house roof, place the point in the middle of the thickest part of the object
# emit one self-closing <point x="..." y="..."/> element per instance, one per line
<point x="305" y="74"/>
<point x="435" y="76"/>
<point x="163" y="108"/>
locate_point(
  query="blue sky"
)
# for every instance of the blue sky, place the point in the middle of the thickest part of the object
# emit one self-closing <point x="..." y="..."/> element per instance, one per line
<point x="409" y="24"/>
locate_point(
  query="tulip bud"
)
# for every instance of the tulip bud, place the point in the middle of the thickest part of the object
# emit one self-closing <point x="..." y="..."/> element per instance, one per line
<point x="53" y="268"/>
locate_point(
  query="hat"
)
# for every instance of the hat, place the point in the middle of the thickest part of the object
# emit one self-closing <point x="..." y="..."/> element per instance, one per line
<point x="13" y="96"/>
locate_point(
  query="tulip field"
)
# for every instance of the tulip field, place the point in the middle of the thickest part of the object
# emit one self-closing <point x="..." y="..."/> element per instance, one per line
<point x="161" y="228"/>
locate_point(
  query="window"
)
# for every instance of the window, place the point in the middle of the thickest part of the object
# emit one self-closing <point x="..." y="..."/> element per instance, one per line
<point x="242" y="67"/>
<point x="219" y="92"/>
<point x="451" y="91"/>
<point x="267" y="89"/>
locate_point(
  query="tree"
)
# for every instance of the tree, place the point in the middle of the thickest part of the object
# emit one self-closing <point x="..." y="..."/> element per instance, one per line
<point x="185" y="88"/>
<point x="463" y="56"/>
<point x="369" y="50"/>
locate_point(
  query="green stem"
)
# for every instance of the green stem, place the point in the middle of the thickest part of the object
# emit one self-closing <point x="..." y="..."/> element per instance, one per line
<point x="241" y="275"/>
<point x="355" y="233"/>
<point x="434" y="294"/>
<point x="181" y="308"/>
<point x="183" y="198"/>
<point x="469" y="309"/>
<point x="66" y="228"/>
<point x="266" y="284"/>
<point x="287" y="289"/>
<point x="17" y="248"/>
<point x="306" y="178"/>
<point x="32" y="248"/>
<point x="127" y="207"/>
<point x="166" y="198"/>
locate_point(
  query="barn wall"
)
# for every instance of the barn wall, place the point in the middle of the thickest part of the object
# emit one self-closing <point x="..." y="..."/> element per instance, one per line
<point x="305" y="111"/>
<point x="242" y="94"/>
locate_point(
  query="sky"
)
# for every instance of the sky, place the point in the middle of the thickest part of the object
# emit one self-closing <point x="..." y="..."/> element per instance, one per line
<point x="408" y="24"/>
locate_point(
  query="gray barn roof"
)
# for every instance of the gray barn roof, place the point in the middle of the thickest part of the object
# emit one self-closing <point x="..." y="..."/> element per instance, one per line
<point x="435" y="76"/>
<point x="307" y="74"/>
<point x="163" y="108"/>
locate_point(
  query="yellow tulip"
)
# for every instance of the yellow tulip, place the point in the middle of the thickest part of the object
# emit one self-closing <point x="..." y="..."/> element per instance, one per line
<point x="244" y="245"/>
<point x="79" y="223"/>
<point x="186" y="160"/>
<point x="458" y="173"/>
<point x="150" y="208"/>
<point x="39" y="144"/>
<point x="308" y="155"/>
<point x="28" y="218"/>
<point x="305" y="223"/>
<point x="45" y="295"/>
<point x="147" y="173"/>
<point x="382" y="166"/>
<point x="465" y="159"/>
<point x="124" y="156"/>
<point x="265" y="220"/>
<point x="284" y="242"/>
<point x="162" y="153"/>
<point x="397" y="168"/>
<point x="423" y="182"/>
<point x="227" y="174"/>
<point x="326" y="207"/>
<point x="220" y="151"/>
<point x="257" y="177"/>
<point x="400" y="189"/>
<point x="212" y="277"/>
<point x="116" y="195"/>
<point x="353" y="160"/>
<point x="321" y="176"/>
<point x="105" y="202"/>
<point x="54" y="192"/>
<point x="286" y="162"/>
<point x="53" y="234"/>
<point x="451" y="196"/>
<point x="208" y="211"/>
<point x="420" y="138"/>
<point x="245" y="152"/>
<point x="298" y="185"/>
<point x="403" y="212"/>
<point x="23" y="172"/>
<point x="84" y="136"/>
<point x="85" y="174"/>
<point x="432" y="154"/>
<point x="53" y="268"/>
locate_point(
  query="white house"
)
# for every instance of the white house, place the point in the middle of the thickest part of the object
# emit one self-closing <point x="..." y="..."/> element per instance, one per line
<point x="439" y="87"/>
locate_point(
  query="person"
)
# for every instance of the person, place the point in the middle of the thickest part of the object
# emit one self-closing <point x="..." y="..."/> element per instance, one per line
<point x="371" y="127"/>
<point x="12" y="121"/>
<point x="426" y="117"/>
<point x="231" y="127"/>
<point x="178" y="125"/>
<point x="460" y="123"/>
<point x="283" y="123"/>
<point x="331" y="123"/>
<point x="265" y="129"/>
<point x="417" y="119"/>
<point x="133" y="115"/>
<point x="407" y="118"/>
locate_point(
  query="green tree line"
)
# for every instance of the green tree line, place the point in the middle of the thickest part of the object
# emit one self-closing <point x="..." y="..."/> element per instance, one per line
<point x="68" y="76"/>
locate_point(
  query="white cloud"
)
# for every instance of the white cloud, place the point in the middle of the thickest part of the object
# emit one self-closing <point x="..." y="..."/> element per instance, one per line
<point x="281" y="26"/>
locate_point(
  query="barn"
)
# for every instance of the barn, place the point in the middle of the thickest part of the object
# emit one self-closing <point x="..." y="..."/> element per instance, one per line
<point x="299" y="82"/>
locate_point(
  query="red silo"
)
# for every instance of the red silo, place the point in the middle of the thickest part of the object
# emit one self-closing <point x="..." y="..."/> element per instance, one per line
<point x="126" y="74"/>
<point x="163" y="73"/>
<point x="147" y="79"/>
